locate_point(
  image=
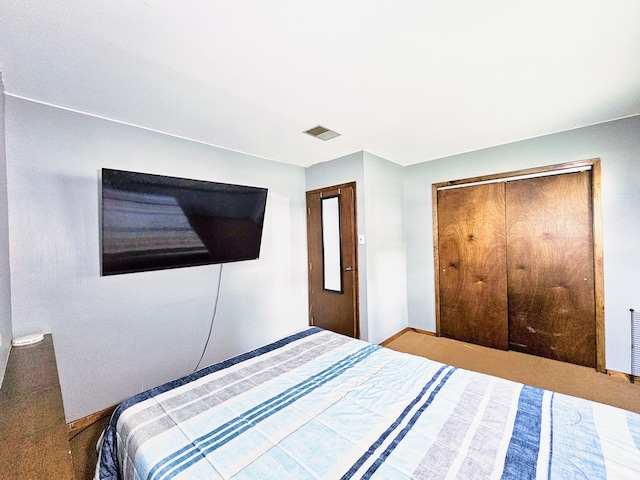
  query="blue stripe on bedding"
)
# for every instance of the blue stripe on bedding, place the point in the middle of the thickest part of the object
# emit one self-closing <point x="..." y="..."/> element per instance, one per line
<point x="192" y="453"/>
<point x="634" y="427"/>
<point x="406" y="429"/>
<point x="370" y="451"/>
<point x="108" y="468"/>
<point x="522" y="453"/>
<point x="216" y="367"/>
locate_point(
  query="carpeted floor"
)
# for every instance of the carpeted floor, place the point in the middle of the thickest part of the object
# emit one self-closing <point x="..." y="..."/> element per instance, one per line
<point x="536" y="371"/>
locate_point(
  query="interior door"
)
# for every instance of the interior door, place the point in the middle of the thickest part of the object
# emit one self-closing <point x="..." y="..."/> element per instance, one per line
<point x="333" y="260"/>
<point x="551" y="267"/>
<point x="472" y="262"/>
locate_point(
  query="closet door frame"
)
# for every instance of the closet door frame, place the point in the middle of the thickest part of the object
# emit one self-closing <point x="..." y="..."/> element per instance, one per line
<point x="593" y="165"/>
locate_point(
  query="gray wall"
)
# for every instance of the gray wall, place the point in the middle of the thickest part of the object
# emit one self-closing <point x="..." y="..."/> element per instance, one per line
<point x="617" y="144"/>
<point x="5" y="278"/>
<point x="118" y="335"/>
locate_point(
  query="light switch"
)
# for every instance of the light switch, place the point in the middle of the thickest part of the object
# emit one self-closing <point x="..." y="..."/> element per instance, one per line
<point x="361" y="239"/>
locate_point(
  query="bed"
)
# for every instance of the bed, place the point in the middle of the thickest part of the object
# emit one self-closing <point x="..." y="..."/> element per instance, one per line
<point x="320" y="405"/>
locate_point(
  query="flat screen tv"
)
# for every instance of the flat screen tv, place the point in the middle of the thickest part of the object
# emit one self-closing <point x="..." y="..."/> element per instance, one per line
<point x="153" y="222"/>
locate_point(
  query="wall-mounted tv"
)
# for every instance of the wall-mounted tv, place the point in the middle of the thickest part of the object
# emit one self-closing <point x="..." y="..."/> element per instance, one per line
<point x="153" y="222"/>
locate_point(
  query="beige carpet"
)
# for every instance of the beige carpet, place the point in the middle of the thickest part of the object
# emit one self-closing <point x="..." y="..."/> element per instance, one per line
<point x="536" y="371"/>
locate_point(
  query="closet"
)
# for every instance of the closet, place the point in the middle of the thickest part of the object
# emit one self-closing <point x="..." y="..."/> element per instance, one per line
<point x="518" y="262"/>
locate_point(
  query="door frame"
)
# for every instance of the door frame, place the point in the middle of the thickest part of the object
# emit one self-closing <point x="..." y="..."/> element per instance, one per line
<point x="596" y="203"/>
<point x="355" y="266"/>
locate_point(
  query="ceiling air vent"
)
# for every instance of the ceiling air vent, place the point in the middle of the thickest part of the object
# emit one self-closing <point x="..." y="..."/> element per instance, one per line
<point x="322" y="133"/>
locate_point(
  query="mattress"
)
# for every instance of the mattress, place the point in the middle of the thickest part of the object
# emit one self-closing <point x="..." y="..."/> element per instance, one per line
<point x="320" y="405"/>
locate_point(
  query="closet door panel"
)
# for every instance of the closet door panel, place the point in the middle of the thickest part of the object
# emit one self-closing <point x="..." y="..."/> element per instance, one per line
<point x="550" y="267"/>
<point x="472" y="259"/>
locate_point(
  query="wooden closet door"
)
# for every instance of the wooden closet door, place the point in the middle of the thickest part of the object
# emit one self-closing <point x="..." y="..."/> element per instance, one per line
<point x="550" y="267"/>
<point x="472" y="262"/>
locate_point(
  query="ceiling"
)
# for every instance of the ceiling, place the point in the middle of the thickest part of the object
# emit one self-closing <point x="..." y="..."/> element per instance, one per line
<point x="407" y="80"/>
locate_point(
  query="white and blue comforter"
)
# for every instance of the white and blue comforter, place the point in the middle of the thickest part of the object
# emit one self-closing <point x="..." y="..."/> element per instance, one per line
<point x="320" y="405"/>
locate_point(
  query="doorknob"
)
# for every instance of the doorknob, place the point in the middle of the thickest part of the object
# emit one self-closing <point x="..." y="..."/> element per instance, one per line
<point x="348" y="269"/>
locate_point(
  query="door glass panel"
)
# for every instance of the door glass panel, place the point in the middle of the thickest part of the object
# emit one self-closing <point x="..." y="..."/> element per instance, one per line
<point x="332" y="268"/>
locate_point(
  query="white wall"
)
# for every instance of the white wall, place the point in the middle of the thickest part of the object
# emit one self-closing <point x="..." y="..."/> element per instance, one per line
<point x="386" y="259"/>
<point x="617" y="144"/>
<point x="5" y="277"/>
<point x="118" y="335"/>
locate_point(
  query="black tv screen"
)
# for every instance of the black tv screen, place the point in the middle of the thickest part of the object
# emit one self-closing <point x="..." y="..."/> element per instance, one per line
<point x="153" y="222"/>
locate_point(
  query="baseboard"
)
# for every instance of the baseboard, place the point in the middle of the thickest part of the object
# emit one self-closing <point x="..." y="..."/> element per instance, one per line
<point x="77" y="426"/>
<point x="403" y="331"/>
<point x="622" y="375"/>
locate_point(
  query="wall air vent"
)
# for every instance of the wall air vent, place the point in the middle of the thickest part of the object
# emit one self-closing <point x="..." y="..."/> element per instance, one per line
<point x="322" y="133"/>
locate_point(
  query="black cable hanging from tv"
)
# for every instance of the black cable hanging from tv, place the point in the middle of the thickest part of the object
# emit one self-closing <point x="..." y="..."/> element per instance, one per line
<point x="215" y="309"/>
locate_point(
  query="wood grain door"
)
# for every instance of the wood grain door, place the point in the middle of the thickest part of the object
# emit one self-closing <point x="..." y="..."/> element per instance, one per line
<point x="333" y="260"/>
<point x="472" y="263"/>
<point x="550" y="267"/>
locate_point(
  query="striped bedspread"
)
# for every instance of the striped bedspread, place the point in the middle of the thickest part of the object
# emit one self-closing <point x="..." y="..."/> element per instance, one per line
<point x="320" y="405"/>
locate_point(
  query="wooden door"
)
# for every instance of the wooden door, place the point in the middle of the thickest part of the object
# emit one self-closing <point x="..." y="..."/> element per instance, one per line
<point x="550" y="267"/>
<point x="472" y="263"/>
<point x="333" y="260"/>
